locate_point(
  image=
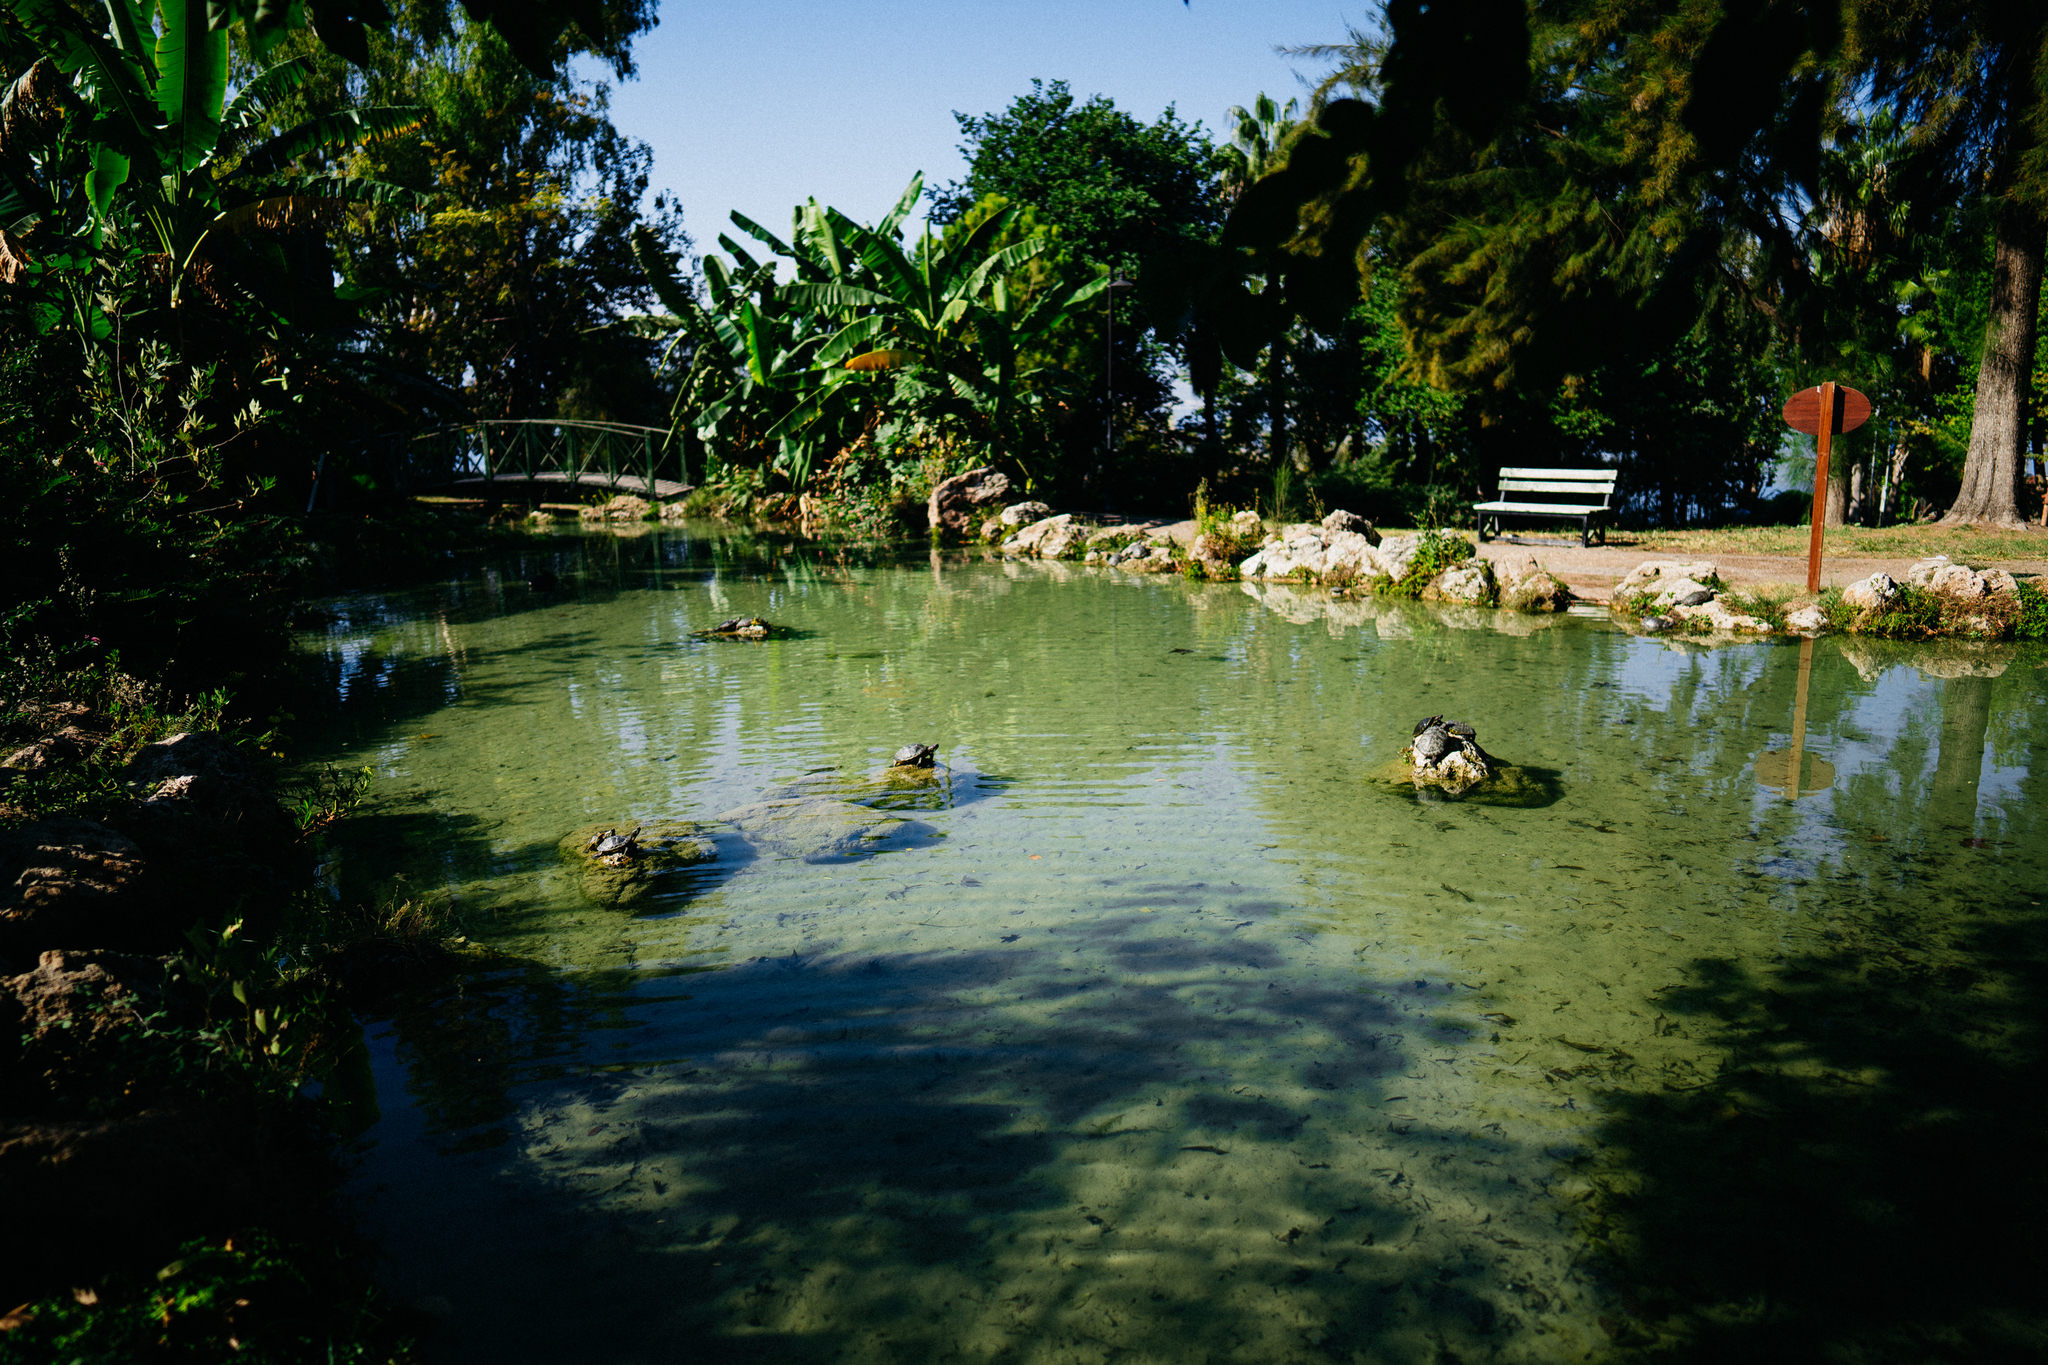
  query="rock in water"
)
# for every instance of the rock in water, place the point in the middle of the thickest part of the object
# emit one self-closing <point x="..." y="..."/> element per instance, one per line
<point x="1431" y="745"/>
<point x="623" y="870"/>
<point x="958" y="504"/>
<point x="815" y="829"/>
<point x="741" y="628"/>
<point x="1447" y="756"/>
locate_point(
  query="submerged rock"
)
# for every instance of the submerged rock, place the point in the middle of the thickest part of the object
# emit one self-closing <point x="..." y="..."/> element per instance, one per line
<point x="621" y="871"/>
<point x="813" y="828"/>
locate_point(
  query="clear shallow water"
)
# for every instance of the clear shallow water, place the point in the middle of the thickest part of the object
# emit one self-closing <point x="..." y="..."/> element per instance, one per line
<point x="1152" y="1030"/>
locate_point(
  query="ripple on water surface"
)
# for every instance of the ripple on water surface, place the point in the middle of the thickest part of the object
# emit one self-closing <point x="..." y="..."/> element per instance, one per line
<point x="1151" y="1028"/>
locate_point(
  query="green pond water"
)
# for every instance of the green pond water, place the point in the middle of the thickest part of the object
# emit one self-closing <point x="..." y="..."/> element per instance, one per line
<point x="1153" y="1028"/>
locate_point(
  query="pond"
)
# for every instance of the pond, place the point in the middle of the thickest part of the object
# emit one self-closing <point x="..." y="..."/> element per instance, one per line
<point x="1152" y="1028"/>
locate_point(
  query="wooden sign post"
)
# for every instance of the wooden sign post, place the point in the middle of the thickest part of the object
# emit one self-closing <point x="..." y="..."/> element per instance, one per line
<point x="1824" y="412"/>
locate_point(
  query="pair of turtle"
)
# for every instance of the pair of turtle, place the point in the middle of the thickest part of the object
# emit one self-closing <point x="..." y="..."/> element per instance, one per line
<point x="1434" y="738"/>
<point x="614" y="849"/>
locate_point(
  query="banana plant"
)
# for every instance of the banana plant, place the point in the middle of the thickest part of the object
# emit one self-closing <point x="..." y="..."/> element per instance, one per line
<point x="867" y="327"/>
<point x="164" y="158"/>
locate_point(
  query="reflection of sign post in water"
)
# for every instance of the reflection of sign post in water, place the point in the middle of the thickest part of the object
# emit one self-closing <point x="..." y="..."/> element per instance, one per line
<point x="1799" y="773"/>
<point x="1823" y="412"/>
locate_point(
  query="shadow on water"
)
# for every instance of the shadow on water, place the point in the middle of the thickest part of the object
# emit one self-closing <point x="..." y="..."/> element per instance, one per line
<point x="850" y="1165"/>
<point x="1861" y="1179"/>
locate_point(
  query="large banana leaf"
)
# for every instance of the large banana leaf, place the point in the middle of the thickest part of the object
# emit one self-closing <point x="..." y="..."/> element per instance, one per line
<point x="303" y="200"/>
<point x="331" y="132"/>
<point x="856" y="336"/>
<point x="191" y="79"/>
<point x="825" y="298"/>
<point x="815" y="231"/>
<point x="661" y="272"/>
<point x="892" y="221"/>
<point x="1002" y="263"/>
<point x="760" y="234"/>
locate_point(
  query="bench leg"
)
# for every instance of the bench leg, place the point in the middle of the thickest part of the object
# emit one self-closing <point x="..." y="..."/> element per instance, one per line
<point x="1585" y="532"/>
<point x="1482" y="530"/>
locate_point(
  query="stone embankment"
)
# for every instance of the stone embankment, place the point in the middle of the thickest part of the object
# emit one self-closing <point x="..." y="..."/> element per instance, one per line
<point x="1343" y="553"/>
<point x="1346" y="556"/>
<point x="1938" y="598"/>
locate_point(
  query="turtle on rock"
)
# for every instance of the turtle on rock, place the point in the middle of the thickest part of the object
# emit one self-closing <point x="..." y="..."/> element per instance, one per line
<point x="741" y="628"/>
<point x="914" y="756"/>
<point x="614" y="849"/>
<point x="1432" y="741"/>
<point x="1447" y="754"/>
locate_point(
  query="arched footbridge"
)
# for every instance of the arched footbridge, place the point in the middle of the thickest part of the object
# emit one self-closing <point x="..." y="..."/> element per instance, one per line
<point x="510" y="455"/>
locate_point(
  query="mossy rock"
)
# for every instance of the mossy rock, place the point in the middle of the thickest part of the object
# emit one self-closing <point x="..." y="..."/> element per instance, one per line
<point x="1506" y="785"/>
<point x="663" y="846"/>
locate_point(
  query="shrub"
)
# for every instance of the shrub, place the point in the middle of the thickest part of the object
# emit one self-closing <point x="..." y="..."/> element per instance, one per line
<point x="2031" y="621"/>
<point x="1435" y="552"/>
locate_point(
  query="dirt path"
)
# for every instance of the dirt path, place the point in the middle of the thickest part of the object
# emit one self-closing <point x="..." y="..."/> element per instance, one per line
<point x="1593" y="572"/>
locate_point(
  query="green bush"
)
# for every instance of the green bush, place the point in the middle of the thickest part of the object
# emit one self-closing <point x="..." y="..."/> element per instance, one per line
<point x="2032" y="621"/>
<point x="1914" y="614"/>
<point x="1435" y="552"/>
<point x="252" y="1299"/>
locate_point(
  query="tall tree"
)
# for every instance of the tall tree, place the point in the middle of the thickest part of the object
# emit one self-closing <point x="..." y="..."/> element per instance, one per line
<point x="1258" y="137"/>
<point x="503" y="302"/>
<point x="1971" y="77"/>
<point x="1117" y="190"/>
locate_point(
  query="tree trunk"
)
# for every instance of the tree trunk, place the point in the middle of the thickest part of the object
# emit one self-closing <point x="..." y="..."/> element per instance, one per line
<point x="1965" y="721"/>
<point x="1859" y="493"/>
<point x="1837" y="513"/>
<point x="1989" y="495"/>
<point x="1276" y="382"/>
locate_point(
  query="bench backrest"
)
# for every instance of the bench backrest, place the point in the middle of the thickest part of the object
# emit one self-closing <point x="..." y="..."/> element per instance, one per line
<point x="1583" y="484"/>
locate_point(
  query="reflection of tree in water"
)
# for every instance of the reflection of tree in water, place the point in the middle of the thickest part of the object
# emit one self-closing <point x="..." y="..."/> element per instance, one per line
<point x="468" y="1047"/>
<point x="1861" y="1179"/>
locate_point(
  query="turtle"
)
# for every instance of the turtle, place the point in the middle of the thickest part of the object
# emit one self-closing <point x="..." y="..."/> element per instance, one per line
<point x="1432" y="743"/>
<point x="1460" y="730"/>
<point x="612" y="844"/>
<point x="1426" y="722"/>
<point x="742" y="625"/>
<point x="914" y="756"/>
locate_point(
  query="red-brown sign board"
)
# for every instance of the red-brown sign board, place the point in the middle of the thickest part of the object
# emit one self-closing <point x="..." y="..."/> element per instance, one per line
<point x="1802" y="410"/>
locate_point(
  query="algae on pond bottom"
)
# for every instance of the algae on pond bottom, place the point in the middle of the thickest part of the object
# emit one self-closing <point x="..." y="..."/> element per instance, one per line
<point x="1160" y="1028"/>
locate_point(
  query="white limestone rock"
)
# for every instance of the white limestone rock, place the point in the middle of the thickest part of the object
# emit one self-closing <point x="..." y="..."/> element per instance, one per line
<point x="1643" y="578"/>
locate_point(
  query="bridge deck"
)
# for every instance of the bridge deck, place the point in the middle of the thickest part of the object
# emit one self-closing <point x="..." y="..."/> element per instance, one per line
<point x="665" y="490"/>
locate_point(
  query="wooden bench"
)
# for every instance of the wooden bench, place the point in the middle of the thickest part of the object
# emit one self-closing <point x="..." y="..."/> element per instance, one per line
<point x="1583" y="484"/>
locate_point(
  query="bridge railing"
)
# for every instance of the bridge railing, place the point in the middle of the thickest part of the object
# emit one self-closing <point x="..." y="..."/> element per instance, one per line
<point x="612" y="455"/>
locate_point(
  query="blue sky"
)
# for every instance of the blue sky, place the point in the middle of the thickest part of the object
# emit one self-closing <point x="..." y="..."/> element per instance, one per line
<point x="756" y="105"/>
